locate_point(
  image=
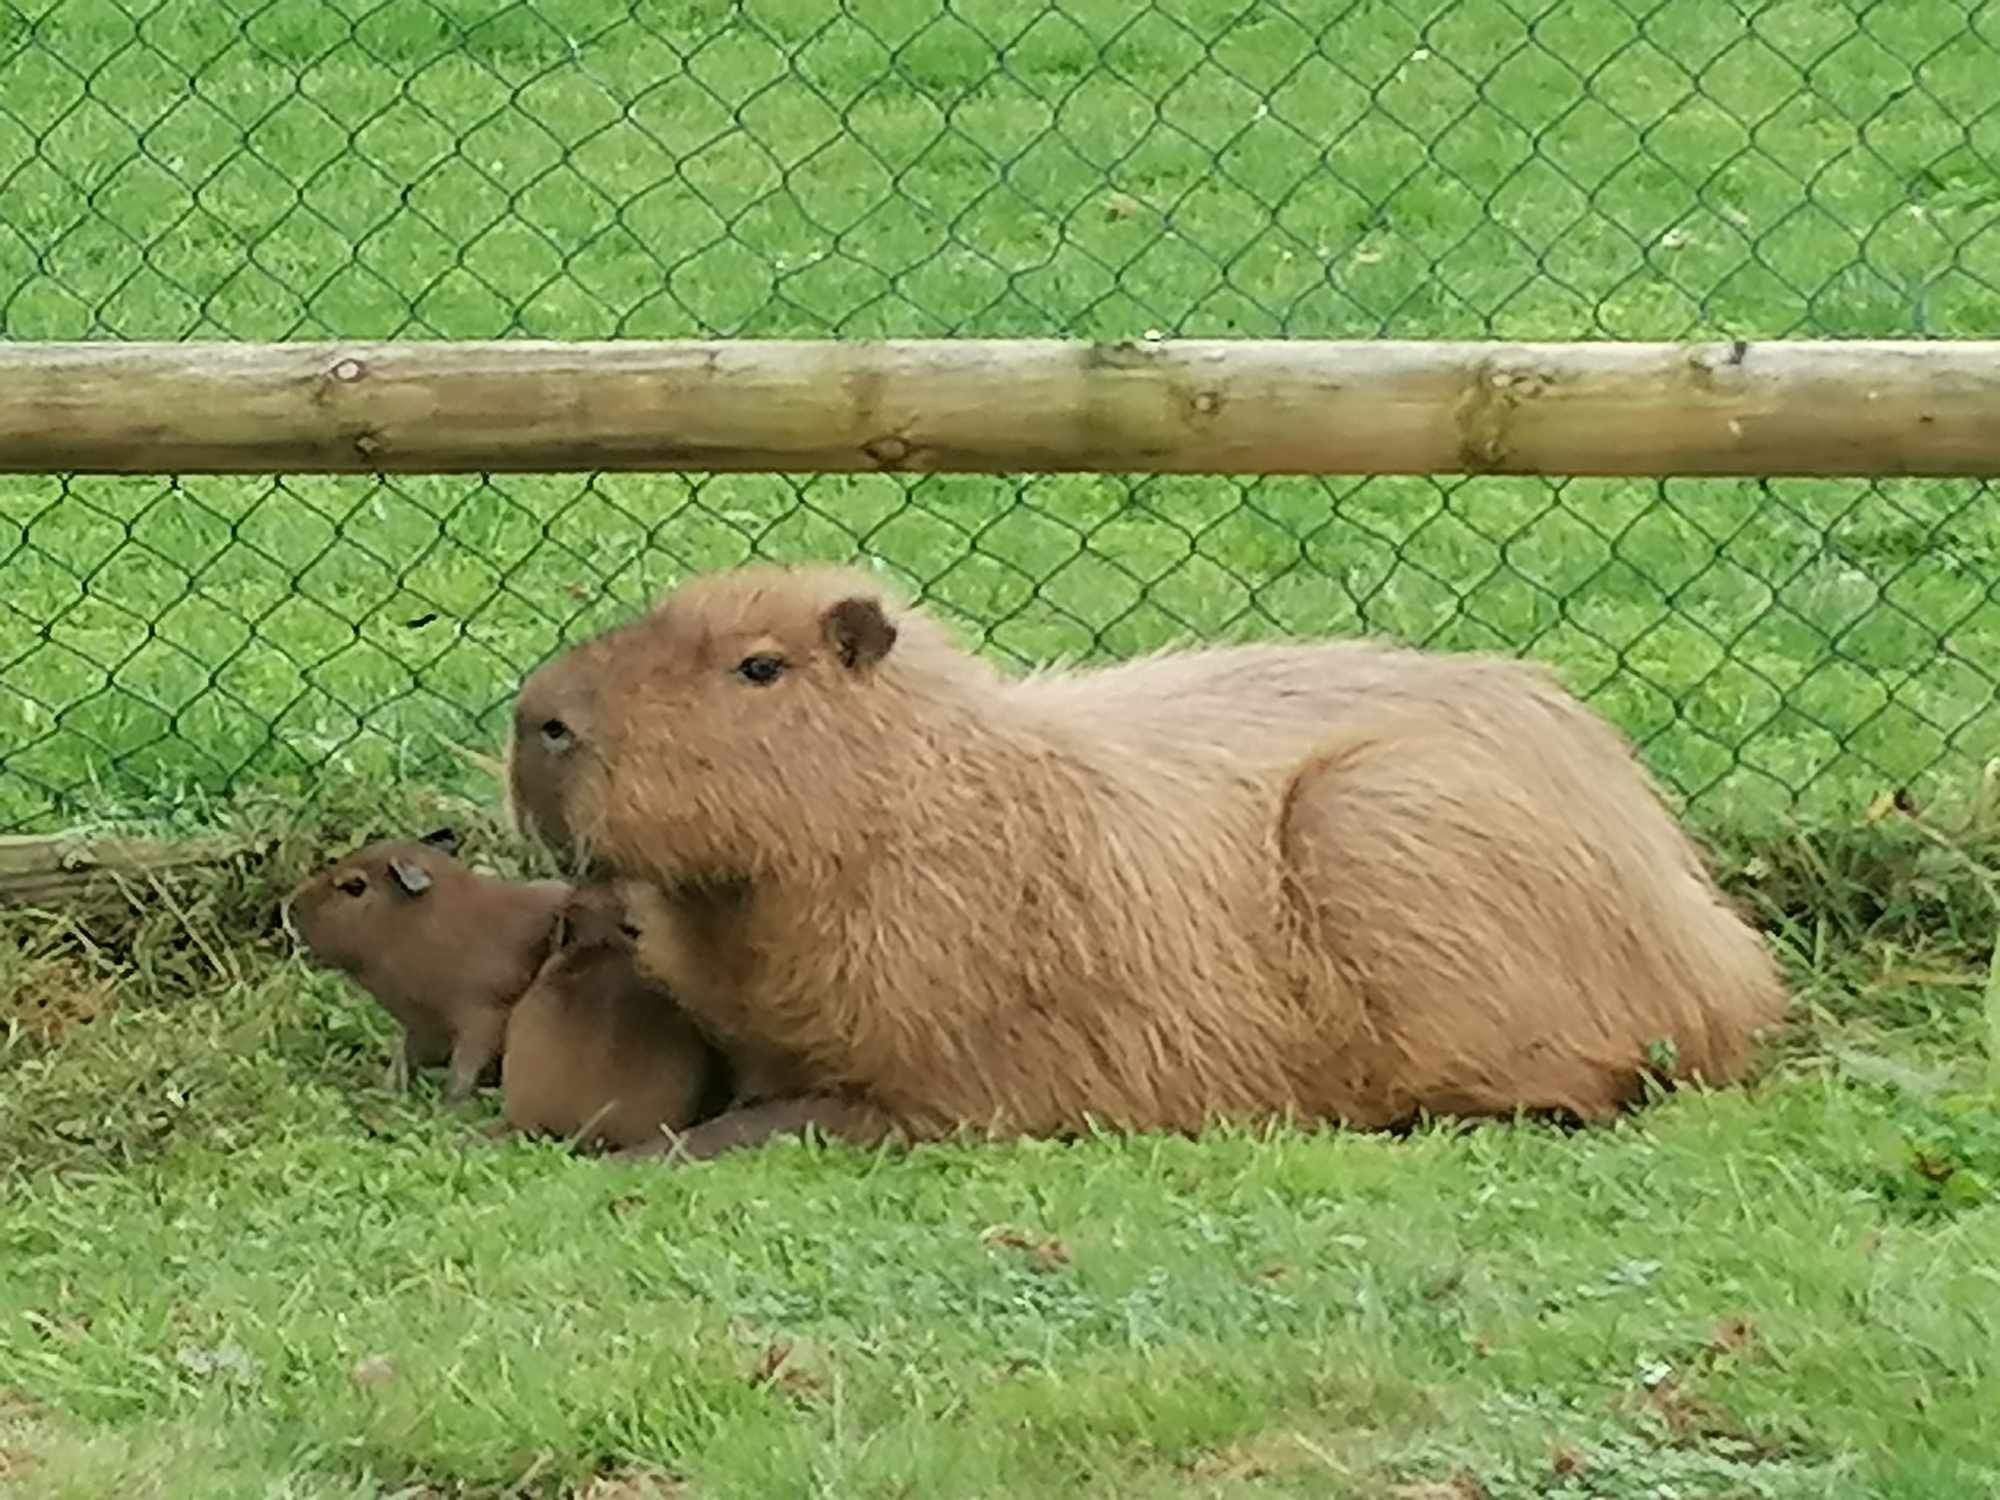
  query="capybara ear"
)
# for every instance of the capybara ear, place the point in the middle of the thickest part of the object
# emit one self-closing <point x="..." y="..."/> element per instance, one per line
<point x="411" y="876"/>
<point x="859" y="631"/>
<point x="443" y="838"/>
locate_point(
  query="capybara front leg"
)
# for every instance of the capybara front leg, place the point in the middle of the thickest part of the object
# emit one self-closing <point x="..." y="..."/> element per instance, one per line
<point x="738" y="1129"/>
<point x="473" y="1051"/>
<point x="423" y="1046"/>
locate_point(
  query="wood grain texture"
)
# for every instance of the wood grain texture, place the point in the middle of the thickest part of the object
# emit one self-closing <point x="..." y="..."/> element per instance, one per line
<point x="1164" y="406"/>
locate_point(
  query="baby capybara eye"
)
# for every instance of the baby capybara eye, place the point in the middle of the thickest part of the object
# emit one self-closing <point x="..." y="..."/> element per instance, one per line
<point x="761" y="669"/>
<point x="555" y="734"/>
<point x="352" y="885"/>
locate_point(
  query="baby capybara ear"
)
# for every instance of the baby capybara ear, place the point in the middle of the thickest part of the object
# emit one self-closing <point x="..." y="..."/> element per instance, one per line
<point x="411" y="876"/>
<point x="859" y="632"/>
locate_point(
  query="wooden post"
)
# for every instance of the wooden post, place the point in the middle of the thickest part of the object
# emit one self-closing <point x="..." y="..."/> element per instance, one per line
<point x="998" y="406"/>
<point x="68" y="871"/>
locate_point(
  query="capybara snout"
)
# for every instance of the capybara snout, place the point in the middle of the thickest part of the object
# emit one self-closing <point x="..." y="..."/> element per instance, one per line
<point x="553" y="745"/>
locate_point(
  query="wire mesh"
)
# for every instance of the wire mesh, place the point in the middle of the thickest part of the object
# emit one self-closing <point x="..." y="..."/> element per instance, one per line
<point x="1099" y="168"/>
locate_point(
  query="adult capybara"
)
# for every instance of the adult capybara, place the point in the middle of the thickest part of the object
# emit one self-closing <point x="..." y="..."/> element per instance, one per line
<point x="595" y="1052"/>
<point x="447" y="951"/>
<point x="1341" y="881"/>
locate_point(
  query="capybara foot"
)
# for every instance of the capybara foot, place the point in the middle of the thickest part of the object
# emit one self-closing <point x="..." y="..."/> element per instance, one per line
<point x="754" y="1125"/>
<point x="492" y="1133"/>
<point x="475" y="1053"/>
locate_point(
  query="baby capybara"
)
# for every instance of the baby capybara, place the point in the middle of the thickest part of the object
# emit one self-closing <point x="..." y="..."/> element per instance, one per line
<point x="445" y="950"/>
<point x="597" y="1054"/>
<point x="1327" y="881"/>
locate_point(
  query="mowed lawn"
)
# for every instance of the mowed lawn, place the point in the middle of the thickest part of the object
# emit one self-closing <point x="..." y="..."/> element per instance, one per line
<point x="230" y="1265"/>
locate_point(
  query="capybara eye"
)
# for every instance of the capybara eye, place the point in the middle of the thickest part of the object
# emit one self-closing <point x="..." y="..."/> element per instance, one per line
<point x="629" y="930"/>
<point x="352" y="885"/>
<point x="555" y="734"/>
<point x="760" y="669"/>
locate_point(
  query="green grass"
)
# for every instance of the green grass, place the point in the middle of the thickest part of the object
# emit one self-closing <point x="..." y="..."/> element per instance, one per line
<point x="229" y="1265"/>
<point x="234" y="1267"/>
<point x="302" y="169"/>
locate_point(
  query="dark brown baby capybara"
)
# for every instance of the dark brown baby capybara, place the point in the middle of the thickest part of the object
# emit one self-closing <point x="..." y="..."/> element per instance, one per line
<point x="597" y="1054"/>
<point x="1326" y="881"/>
<point x="446" y="950"/>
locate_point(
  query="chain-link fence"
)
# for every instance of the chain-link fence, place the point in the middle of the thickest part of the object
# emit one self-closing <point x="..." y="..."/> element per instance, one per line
<point x="584" y="168"/>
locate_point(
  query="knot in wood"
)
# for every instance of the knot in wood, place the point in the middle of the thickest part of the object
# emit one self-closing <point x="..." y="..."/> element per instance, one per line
<point x="887" y="452"/>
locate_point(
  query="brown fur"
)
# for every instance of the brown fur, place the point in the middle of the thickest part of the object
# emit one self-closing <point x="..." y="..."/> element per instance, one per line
<point x="444" y="949"/>
<point x="598" y="1054"/>
<point x="1342" y="881"/>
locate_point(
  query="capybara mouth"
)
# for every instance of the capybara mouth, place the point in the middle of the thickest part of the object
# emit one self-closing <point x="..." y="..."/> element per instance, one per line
<point x="306" y="950"/>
